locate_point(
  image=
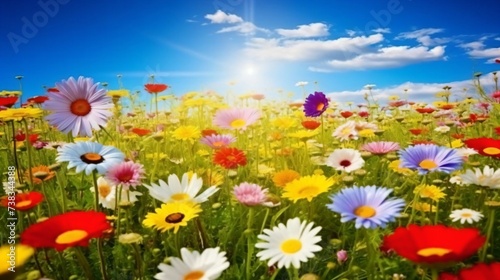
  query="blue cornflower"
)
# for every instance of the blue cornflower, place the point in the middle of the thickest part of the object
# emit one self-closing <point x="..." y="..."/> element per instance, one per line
<point x="428" y="158"/>
<point x="368" y="205"/>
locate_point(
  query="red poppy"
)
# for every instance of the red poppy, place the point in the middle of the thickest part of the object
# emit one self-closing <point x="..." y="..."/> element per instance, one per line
<point x="446" y="106"/>
<point x="425" y="110"/>
<point x="477" y="118"/>
<point x="22" y="201"/>
<point x="434" y="244"/>
<point x="141" y="131"/>
<point x="155" y="88"/>
<point x="417" y="131"/>
<point x="346" y="114"/>
<point x="230" y="158"/>
<point x="208" y="132"/>
<point x="32" y="137"/>
<point x="38" y="99"/>
<point x="311" y="124"/>
<point x="485" y="146"/>
<point x="66" y="230"/>
<point x="397" y="103"/>
<point x="8" y="101"/>
<point x="52" y="89"/>
<point x="363" y="114"/>
<point x="480" y="271"/>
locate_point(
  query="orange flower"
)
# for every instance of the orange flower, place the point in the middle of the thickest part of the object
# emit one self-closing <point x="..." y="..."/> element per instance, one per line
<point x="284" y="177"/>
<point x="22" y="201"/>
<point x="346" y="114"/>
<point x="230" y="158"/>
<point x="425" y="110"/>
<point x="208" y="132"/>
<point x="417" y="131"/>
<point x="141" y="131"/>
<point x="39" y="173"/>
<point x="155" y="88"/>
<point x="311" y="124"/>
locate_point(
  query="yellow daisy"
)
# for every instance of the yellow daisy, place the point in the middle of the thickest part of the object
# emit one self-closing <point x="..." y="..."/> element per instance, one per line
<point x="430" y="191"/>
<point x="22" y="254"/>
<point x="303" y="134"/>
<point x="17" y="114"/>
<point x="10" y="93"/>
<point x="172" y="216"/>
<point x="307" y="187"/>
<point x="284" y="123"/>
<point x="187" y="133"/>
<point x="118" y="93"/>
<point x="394" y="166"/>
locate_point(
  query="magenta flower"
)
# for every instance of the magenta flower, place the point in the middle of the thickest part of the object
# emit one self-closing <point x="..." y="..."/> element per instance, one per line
<point x="217" y="141"/>
<point x="342" y="256"/>
<point x="79" y="106"/>
<point x="380" y="147"/>
<point x="316" y="103"/>
<point x="128" y="174"/>
<point x="250" y="194"/>
<point x="236" y="118"/>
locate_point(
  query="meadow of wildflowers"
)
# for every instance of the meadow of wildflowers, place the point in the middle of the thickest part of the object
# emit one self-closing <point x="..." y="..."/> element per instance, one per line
<point x="252" y="188"/>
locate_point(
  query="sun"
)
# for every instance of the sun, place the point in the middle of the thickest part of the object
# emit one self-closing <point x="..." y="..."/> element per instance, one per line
<point x="250" y="70"/>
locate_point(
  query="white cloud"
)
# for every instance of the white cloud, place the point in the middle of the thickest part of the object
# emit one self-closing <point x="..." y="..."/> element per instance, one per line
<point x="423" y="36"/>
<point x="350" y="32"/>
<point x="307" y="50"/>
<point x="221" y="17"/>
<point x="389" y="57"/>
<point x="477" y="49"/>
<point x="247" y="28"/>
<point x="382" y="30"/>
<point x="305" y="31"/>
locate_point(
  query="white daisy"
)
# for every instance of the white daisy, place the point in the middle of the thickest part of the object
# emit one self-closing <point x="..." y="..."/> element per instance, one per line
<point x="89" y="156"/>
<point x="466" y="215"/>
<point x="442" y="129"/>
<point x="290" y="244"/>
<point x="488" y="177"/>
<point x="107" y="194"/>
<point x="456" y="180"/>
<point x="176" y="190"/>
<point x="347" y="160"/>
<point x="465" y="152"/>
<point x="346" y="131"/>
<point x="208" y="265"/>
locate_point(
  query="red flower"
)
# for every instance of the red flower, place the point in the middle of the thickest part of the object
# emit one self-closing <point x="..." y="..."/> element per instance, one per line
<point x="485" y="146"/>
<point x="480" y="271"/>
<point x="346" y="114"/>
<point x="363" y="114"/>
<point x="311" y="124"/>
<point x="477" y="118"/>
<point x="141" y="131"/>
<point x="230" y="158"/>
<point x="38" y="99"/>
<point x="8" y="101"/>
<point x="425" y="110"/>
<point x="22" y="201"/>
<point x="434" y="244"/>
<point x="155" y="88"/>
<point x="417" y="131"/>
<point x="66" y="230"/>
<point x="397" y="103"/>
<point x="446" y="106"/>
<point x="208" y="132"/>
<point x="52" y="89"/>
<point x="32" y="137"/>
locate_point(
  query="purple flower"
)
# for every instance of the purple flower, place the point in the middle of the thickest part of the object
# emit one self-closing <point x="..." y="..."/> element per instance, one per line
<point x="217" y="141"/>
<point x="429" y="158"/>
<point x="316" y="103"/>
<point x="380" y="147"/>
<point x="250" y="194"/>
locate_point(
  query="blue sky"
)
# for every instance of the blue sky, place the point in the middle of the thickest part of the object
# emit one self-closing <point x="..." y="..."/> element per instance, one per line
<point x="338" y="47"/>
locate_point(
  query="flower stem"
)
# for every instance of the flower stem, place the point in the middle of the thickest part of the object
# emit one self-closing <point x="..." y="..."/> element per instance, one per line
<point x="489" y="230"/>
<point x="99" y="240"/>
<point x="84" y="263"/>
<point x="249" y="233"/>
<point x="28" y="148"/>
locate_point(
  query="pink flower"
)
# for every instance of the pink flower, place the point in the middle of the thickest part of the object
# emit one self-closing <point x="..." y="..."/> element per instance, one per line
<point x="380" y="147"/>
<point x="236" y="118"/>
<point x="250" y="194"/>
<point x="342" y="256"/>
<point x="217" y="141"/>
<point x="128" y="174"/>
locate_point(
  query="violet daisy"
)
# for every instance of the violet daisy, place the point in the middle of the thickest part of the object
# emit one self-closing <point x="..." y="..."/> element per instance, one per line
<point x="380" y="147"/>
<point x="89" y="156"/>
<point x="236" y="118"/>
<point x="428" y="158"/>
<point x="250" y="194"/>
<point x="79" y="107"/>
<point x="128" y="174"/>
<point x="368" y="206"/>
<point x="316" y="103"/>
<point x="217" y="141"/>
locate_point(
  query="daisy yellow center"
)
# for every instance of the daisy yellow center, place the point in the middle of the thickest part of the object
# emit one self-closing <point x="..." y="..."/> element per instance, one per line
<point x="71" y="236"/>
<point x="194" y="275"/>
<point x="180" y="196"/>
<point x="94" y="158"/>
<point x="365" y="211"/>
<point x="80" y="107"/>
<point x="433" y="251"/>
<point x="492" y="151"/>
<point x="427" y="164"/>
<point x="291" y="246"/>
<point x="320" y="106"/>
<point x="309" y="191"/>
<point x="346" y="131"/>
<point x="466" y="215"/>
<point x="104" y="191"/>
<point x="238" y="123"/>
<point x="174" y="218"/>
<point x="23" y="203"/>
